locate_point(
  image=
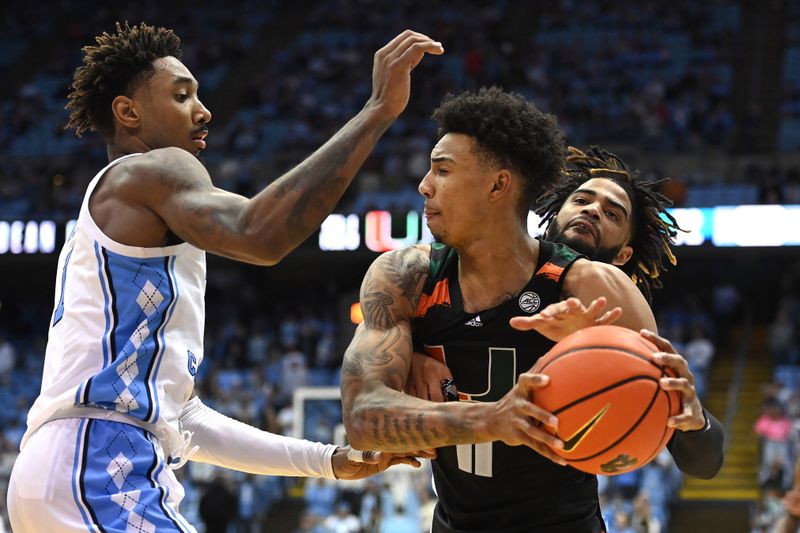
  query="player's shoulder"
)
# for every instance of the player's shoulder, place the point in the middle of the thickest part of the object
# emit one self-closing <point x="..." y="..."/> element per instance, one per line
<point x="589" y="271"/>
<point x="162" y="166"/>
<point x="406" y="260"/>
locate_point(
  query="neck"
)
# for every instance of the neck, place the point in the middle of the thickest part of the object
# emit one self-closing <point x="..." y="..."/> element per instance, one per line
<point x="121" y="146"/>
<point x="492" y="270"/>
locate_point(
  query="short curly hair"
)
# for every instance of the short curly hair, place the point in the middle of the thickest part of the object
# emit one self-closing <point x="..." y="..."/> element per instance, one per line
<point x="117" y="65"/>
<point x="509" y="131"/>
<point x="653" y="229"/>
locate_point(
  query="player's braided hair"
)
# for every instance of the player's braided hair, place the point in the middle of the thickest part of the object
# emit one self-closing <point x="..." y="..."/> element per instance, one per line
<point x="509" y="131"/>
<point x="117" y="65"/>
<point x="652" y="228"/>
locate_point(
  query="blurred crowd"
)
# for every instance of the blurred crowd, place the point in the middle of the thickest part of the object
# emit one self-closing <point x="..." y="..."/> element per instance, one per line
<point x="778" y="425"/>
<point x="652" y="76"/>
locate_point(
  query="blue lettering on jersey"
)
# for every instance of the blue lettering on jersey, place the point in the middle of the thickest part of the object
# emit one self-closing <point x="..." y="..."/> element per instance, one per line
<point x="192" y="363"/>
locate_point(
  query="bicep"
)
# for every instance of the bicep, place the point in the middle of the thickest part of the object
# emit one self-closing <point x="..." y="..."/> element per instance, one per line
<point x="208" y="218"/>
<point x="381" y="350"/>
<point x="636" y="313"/>
<point x="619" y="291"/>
<point x="178" y="188"/>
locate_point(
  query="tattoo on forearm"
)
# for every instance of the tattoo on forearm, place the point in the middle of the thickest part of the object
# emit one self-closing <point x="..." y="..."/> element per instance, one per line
<point x="323" y="177"/>
<point x="387" y="436"/>
<point x="418" y="431"/>
<point x="399" y="434"/>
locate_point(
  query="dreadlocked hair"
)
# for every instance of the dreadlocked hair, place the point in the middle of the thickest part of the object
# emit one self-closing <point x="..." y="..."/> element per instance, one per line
<point x="509" y="131"/>
<point x="653" y="229"/>
<point x="117" y="65"/>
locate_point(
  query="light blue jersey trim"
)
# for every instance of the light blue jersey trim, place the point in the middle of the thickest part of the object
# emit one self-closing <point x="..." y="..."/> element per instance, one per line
<point x="179" y="520"/>
<point x="106" y="301"/>
<point x="76" y="474"/>
<point x="161" y="334"/>
<point x="142" y="295"/>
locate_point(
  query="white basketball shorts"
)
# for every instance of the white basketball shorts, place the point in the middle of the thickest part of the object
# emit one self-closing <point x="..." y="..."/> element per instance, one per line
<point x="80" y="474"/>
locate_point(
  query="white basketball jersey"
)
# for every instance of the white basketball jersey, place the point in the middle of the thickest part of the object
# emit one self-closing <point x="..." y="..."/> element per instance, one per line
<point x="126" y="335"/>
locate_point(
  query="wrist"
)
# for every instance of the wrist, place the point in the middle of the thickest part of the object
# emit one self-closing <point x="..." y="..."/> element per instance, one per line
<point x="378" y="115"/>
<point x="706" y="426"/>
<point x="338" y="455"/>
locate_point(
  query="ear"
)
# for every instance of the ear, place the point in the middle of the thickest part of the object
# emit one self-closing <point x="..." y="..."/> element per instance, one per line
<point x="501" y="183"/>
<point x="125" y="112"/>
<point x="623" y="256"/>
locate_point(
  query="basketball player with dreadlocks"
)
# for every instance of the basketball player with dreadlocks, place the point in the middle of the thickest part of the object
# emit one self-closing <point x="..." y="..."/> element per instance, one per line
<point x="582" y="211"/>
<point x="495" y="468"/>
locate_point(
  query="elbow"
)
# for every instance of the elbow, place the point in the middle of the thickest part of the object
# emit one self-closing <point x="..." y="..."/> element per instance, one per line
<point x="706" y="474"/>
<point x="355" y="424"/>
<point x="712" y="472"/>
<point x="265" y="249"/>
<point x="358" y="442"/>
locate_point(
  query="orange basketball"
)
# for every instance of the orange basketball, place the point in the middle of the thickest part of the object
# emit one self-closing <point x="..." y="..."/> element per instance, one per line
<point x="604" y="389"/>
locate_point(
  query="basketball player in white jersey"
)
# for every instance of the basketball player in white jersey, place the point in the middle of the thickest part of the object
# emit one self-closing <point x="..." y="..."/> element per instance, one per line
<point x="116" y="412"/>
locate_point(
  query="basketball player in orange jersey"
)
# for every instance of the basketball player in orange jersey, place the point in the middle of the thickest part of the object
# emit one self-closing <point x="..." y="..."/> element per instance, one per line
<point x="116" y="412"/>
<point x="495" y="469"/>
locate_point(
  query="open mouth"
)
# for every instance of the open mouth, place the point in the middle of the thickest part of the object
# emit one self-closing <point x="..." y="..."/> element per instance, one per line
<point x="584" y="227"/>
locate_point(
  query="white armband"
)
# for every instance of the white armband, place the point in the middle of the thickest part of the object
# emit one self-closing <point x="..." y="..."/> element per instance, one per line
<point x="226" y="442"/>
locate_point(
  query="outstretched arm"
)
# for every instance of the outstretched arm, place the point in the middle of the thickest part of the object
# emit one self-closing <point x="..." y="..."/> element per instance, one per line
<point x="174" y="186"/>
<point x="378" y="415"/>
<point x="225" y="442"/>
<point x="590" y="281"/>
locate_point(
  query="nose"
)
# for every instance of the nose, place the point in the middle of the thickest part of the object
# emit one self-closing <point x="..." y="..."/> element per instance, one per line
<point x="592" y="210"/>
<point x="425" y="188"/>
<point x="203" y="114"/>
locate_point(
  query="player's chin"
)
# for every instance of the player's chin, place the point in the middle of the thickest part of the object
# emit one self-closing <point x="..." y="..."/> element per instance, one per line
<point x="583" y="243"/>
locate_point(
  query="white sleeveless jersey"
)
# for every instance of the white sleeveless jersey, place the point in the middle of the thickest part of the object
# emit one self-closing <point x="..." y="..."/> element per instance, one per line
<point x="126" y="335"/>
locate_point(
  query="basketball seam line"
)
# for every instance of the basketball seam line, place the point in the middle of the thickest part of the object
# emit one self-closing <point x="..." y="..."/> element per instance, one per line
<point x="624" y="435"/>
<point x="599" y="347"/>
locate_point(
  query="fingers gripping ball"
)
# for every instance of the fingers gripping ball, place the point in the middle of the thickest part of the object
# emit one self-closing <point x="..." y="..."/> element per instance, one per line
<point x="604" y="389"/>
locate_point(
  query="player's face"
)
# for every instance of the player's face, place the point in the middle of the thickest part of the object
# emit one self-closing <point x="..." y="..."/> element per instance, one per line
<point x="170" y="111"/>
<point x="595" y="220"/>
<point x="454" y="189"/>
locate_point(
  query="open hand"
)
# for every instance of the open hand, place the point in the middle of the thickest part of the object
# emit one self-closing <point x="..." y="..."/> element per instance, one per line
<point x="391" y="71"/>
<point x="355" y="464"/>
<point x="559" y="319"/>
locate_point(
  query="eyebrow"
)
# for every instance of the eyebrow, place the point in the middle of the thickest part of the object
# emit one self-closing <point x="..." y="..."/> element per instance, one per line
<point x="183" y="79"/>
<point x="441" y="159"/>
<point x="614" y="203"/>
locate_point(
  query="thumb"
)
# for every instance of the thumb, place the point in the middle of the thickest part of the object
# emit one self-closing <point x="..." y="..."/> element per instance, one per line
<point x="524" y="323"/>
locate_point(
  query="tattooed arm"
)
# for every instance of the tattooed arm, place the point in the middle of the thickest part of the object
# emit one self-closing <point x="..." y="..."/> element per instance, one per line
<point x="378" y="416"/>
<point x="167" y="196"/>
